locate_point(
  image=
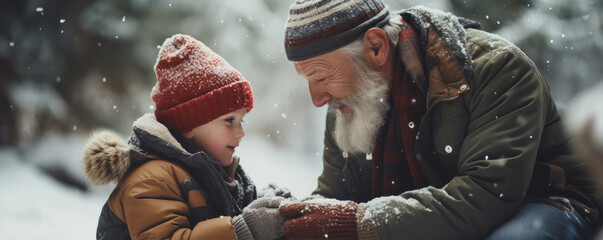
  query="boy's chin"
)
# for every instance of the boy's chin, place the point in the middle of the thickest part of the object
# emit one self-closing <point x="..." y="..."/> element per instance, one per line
<point x="225" y="162"/>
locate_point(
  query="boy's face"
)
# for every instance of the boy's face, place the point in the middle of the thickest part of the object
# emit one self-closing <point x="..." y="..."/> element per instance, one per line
<point x="221" y="136"/>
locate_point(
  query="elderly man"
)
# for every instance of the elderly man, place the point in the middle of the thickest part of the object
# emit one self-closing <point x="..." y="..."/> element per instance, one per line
<point x="435" y="130"/>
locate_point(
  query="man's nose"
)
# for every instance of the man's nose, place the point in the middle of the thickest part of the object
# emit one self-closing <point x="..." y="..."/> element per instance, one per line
<point x="320" y="97"/>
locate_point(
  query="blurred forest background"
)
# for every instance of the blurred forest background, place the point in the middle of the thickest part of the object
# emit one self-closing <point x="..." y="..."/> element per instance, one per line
<point x="72" y="66"/>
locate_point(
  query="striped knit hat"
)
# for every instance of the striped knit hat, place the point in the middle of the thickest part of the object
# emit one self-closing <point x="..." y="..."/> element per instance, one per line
<point x="195" y="85"/>
<point x="316" y="27"/>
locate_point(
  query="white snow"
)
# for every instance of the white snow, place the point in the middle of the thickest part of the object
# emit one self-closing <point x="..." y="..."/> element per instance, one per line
<point x="390" y="207"/>
<point x="329" y="201"/>
<point x="34" y="206"/>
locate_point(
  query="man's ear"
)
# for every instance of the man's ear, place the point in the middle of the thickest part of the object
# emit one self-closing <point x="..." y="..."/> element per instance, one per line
<point x="190" y="134"/>
<point x="376" y="47"/>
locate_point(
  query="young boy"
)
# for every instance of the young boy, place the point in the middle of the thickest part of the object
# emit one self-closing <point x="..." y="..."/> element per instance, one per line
<point x="177" y="177"/>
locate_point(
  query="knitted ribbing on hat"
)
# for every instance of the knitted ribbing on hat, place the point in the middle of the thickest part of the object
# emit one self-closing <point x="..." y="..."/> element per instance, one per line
<point x="316" y="27"/>
<point x="195" y="85"/>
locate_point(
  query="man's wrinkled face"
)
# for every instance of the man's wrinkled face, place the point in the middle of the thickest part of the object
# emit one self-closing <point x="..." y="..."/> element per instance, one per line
<point x="329" y="76"/>
<point x="358" y="93"/>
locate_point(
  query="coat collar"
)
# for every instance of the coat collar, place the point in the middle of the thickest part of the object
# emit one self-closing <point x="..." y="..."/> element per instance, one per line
<point x="447" y="63"/>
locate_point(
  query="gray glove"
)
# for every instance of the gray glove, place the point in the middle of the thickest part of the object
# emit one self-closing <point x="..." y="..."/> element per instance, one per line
<point x="261" y="220"/>
<point x="273" y="190"/>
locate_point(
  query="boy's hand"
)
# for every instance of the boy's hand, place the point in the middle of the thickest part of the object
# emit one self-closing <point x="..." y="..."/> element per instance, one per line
<point x="273" y="190"/>
<point x="262" y="218"/>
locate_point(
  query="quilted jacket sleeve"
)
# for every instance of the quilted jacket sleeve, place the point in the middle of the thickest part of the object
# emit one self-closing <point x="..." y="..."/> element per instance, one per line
<point x="151" y="204"/>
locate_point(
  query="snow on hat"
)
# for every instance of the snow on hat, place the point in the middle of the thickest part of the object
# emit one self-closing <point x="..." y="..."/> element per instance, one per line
<point x="195" y="85"/>
<point x="316" y="27"/>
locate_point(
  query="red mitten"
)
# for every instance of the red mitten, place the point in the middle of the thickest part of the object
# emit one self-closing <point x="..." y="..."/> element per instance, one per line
<point x="320" y="220"/>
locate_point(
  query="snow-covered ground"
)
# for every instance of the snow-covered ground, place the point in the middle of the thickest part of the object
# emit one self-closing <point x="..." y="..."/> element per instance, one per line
<point x="35" y="206"/>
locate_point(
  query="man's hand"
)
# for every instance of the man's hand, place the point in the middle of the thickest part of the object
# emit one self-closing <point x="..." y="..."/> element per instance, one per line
<point x="262" y="218"/>
<point x="321" y="220"/>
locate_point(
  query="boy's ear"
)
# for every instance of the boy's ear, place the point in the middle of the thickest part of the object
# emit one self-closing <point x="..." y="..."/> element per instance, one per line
<point x="376" y="47"/>
<point x="190" y="134"/>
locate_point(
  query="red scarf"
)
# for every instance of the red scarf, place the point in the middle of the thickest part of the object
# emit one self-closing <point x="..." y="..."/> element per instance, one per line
<point x="395" y="168"/>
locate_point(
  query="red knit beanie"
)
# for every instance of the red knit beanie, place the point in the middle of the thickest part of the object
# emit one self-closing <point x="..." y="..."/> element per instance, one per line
<point x="195" y="85"/>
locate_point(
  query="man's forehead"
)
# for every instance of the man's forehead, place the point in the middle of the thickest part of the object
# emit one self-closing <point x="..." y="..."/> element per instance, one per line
<point x="323" y="62"/>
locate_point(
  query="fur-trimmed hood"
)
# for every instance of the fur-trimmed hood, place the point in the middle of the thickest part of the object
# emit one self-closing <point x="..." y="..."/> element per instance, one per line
<point x="107" y="158"/>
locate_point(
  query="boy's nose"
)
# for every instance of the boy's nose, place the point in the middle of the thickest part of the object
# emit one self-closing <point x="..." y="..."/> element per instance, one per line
<point x="240" y="132"/>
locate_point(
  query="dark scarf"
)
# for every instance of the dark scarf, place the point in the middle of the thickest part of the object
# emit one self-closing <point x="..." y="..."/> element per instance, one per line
<point x="395" y="168"/>
<point x="226" y="195"/>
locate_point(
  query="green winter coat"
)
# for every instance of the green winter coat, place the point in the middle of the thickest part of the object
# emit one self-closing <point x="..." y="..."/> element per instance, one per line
<point x="478" y="143"/>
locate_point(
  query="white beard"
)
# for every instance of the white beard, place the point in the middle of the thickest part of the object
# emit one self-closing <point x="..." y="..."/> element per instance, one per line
<point x="357" y="132"/>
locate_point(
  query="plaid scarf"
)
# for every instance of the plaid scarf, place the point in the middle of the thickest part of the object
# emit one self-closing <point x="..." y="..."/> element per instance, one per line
<point x="395" y="168"/>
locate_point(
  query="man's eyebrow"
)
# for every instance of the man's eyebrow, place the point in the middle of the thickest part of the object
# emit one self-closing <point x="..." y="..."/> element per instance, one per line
<point x="308" y="75"/>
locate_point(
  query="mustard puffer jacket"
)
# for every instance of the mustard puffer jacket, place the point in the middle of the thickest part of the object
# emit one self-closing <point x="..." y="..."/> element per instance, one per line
<point x="163" y="191"/>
